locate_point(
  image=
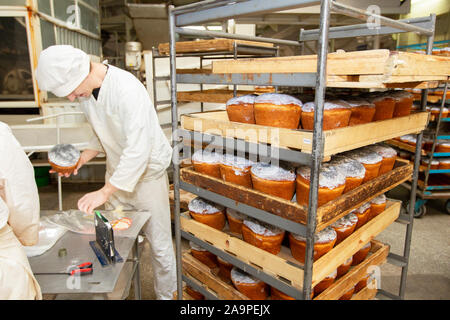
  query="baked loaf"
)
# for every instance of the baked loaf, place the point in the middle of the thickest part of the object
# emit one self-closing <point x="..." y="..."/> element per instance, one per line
<point x="325" y="283"/>
<point x="207" y="162"/>
<point x="235" y="220"/>
<point x="274" y="180"/>
<point x="388" y="154"/>
<point x="64" y="158"/>
<point x="336" y="114"/>
<point x="203" y="255"/>
<point x="444" y="164"/>
<point x="276" y="294"/>
<point x="207" y="212"/>
<point x="248" y="285"/>
<point x="345" y="226"/>
<point x="361" y="254"/>
<point x="331" y="184"/>
<point x="236" y="170"/>
<point x="370" y="160"/>
<point x="323" y="242"/>
<point x="384" y="105"/>
<point x="363" y="111"/>
<point x="403" y="102"/>
<point x="224" y="269"/>
<point x="353" y="171"/>
<point x="241" y="109"/>
<point x="377" y="206"/>
<point x="363" y="214"/>
<point x="343" y="268"/>
<point x="348" y="295"/>
<point x="277" y="110"/>
<point x="262" y="235"/>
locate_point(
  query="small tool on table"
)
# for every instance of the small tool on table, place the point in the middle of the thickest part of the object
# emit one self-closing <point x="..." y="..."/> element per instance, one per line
<point x="82" y="269"/>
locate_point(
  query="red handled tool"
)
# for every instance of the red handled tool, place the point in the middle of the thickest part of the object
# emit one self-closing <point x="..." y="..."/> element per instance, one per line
<point x="82" y="269"/>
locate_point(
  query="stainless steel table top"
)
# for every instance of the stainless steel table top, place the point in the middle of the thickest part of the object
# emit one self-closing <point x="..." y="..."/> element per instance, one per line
<point x="102" y="280"/>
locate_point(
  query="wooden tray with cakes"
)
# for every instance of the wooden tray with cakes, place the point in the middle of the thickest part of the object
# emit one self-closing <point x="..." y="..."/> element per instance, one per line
<point x="291" y="210"/>
<point x="335" y="140"/>
<point x="216" y="95"/>
<point x="284" y="266"/>
<point x="379" y="68"/>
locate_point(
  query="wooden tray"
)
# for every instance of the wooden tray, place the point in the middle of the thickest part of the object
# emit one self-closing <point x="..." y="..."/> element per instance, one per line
<point x="283" y="266"/>
<point x="213" y="45"/>
<point x="215" y="95"/>
<point x="335" y="141"/>
<point x="365" y="69"/>
<point x="209" y="279"/>
<point x="377" y="256"/>
<point x="404" y="146"/>
<point x="326" y="214"/>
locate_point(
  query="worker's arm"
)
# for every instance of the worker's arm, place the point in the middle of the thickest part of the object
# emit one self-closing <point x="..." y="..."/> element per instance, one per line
<point x="92" y="200"/>
<point x="85" y="157"/>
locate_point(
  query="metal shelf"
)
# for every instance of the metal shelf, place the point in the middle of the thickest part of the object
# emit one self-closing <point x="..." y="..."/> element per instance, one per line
<point x="210" y="10"/>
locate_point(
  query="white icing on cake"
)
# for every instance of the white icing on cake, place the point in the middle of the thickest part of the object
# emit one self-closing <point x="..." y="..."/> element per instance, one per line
<point x="346" y="221"/>
<point x="329" y="176"/>
<point x="400" y="94"/>
<point x="196" y="247"/>
<point x="349" y="167"/>
<point x="207" y="156"/>
<point x="272" y="172"/>
<point x="332" y="275"/>
<point x="202" y="206"/>
<point x="367" y="245"/>
<point x="379" y="200"/>
<point x="237" y="162"/>
<point x="363" y="208"/>
<point x="366" y="157"/>
<point x="444" y="160"/>
<point x="359" y="102"/>
<point x="248" y="99"/>
<point x="278" y="99"/>
<point x="444" y="143"/>
<point x="64" y="155"/>
<point x="438" y="109"/>
<point x="239" y="276"/>
<point x="433" y="162"/>
<point x="262" y="228"/>
<point x="235" y="214"/>
<point x="385" y="152"/>
<point x="328" y="105"/>
<point x="326" y="235"/>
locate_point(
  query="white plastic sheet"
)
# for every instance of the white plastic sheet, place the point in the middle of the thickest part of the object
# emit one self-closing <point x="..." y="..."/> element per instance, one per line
<point x="49" y="233"/>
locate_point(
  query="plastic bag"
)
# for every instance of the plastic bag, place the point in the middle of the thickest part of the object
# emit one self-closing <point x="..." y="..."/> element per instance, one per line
<point x="49" y="233"/>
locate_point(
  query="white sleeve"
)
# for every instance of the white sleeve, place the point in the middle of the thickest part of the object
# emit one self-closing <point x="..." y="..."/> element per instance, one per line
<point x="94" y="144"/>
<point x="20" y="190"/>
<point x="4" y="213"/>
<point x="136" y="124"/>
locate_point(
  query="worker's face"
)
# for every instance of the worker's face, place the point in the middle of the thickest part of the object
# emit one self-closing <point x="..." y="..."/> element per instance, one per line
<point x="84" y="90"/>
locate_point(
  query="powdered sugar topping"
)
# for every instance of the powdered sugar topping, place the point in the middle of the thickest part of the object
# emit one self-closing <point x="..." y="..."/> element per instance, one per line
<point x="359" y="102"/>
<point x="271" y="172"/>
<point x="247" y="99"/>
<point x="328" y="105"/>
<point x="262" y="228"/>
<point x="379" y="200"/>
<point x="278" y="99"/>
<point x="385" y="152"/>
<point x="237" y="162"/>
<point x="207" y="156"/>
<point x="363" y="208"/>
<point x="326" y="235"/>
<point x="202" y="206"/>
<point x="239" y="276"/>
<point x="329" y="176"/>
<point x="346" y="221"/>
<point x="350" y="167"/>
<point x="64" y="155"/>
<point x="366" y="157"/>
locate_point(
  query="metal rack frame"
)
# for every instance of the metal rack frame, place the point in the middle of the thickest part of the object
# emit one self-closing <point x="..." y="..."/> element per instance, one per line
<point x="210" y="10"/>
<point x="240" y="50"/>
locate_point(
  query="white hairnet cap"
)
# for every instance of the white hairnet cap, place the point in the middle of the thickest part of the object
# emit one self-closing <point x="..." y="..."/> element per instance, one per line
<point x="61" y="69"/>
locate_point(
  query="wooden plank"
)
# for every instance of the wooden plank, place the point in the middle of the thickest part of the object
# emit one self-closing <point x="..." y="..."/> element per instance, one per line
<point x="400" y="79"/>
<point x="336" y="140"/>
<point x="213" y="45"/>
<point x="377" y="256"/>
<point x="358" y="62"/>
<point x="368" y="293"/>
<point x="381" y="85"/>
<point x="217" y="123"/>
<point x="290" y="210"/>
<point x="281" y="265"/>
<point x="349" y="138"/>
<point x="349" y="246"/>
<point x="213" y="95"/>
<point x="407" y="63"/>
<point x="203" y="274"/>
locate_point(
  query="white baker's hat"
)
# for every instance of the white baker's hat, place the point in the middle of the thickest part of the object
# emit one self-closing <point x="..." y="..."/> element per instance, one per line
<point x="61" y="69"/>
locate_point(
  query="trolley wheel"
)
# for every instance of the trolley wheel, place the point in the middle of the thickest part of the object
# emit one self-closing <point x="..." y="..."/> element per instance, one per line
<point x="447" y="206"/>
<point x="420" y="209"/>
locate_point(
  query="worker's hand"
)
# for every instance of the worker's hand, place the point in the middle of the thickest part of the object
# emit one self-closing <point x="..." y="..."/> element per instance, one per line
<point x="95" y="199"/>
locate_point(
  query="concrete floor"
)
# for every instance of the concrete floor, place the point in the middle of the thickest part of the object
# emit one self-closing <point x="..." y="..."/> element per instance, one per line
<point x="429" y="266"/>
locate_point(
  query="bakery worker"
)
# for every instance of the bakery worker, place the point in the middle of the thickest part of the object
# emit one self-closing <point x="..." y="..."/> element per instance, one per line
<point x="19" y="220"/>
<point x="127" y="130"/>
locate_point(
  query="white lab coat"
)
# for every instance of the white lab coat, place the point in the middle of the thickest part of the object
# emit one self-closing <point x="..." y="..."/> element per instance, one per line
<point x="137" y="155"/>
<point x="19" y="219"/>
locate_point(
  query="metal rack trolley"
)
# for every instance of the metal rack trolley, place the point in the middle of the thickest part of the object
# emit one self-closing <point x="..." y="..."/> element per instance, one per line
<point x="427" y="190"/>
<point x="223" y="9"/>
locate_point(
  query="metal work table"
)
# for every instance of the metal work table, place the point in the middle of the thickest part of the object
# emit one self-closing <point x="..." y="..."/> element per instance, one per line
<point x="103" y="280"/>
